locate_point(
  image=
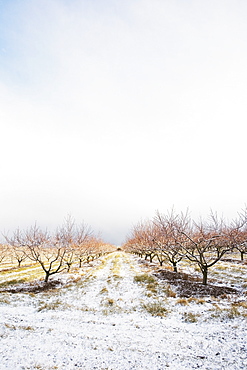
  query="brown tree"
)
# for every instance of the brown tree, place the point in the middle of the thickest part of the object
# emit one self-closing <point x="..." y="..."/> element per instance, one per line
<point x="205" y="243"/>
<point x="4" y="252"/>
<point x="39" y="247"/>
<point x="73" y="239"/>
<point x="167" y="238"/>
<point x="141" y="241"/>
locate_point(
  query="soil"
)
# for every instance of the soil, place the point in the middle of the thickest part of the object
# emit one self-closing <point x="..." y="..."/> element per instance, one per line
<point x="35" y="287"/>
<point x="188" y="285"/>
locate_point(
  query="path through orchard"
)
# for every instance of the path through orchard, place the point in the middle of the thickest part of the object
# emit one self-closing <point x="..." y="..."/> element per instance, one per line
<point x="114" y="317"/>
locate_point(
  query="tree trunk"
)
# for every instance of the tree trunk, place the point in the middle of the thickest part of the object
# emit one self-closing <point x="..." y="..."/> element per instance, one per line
<point x="46" y="276"/>
<point x="205" y="275"/>
<point x="174" y="264"/>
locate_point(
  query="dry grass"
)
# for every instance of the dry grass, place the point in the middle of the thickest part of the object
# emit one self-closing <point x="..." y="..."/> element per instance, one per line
<point x="19" y="275"/>
<point x="111" y="309"/>
<point x="10" y="326"/>
<point x="54" y="305"/>
<point x="190" y="317"/>
<point x="22" y="327"/>
<point x="110" y="302"/>
<point x="156" y="309"/>
<point x="240" y="304"/>
<point x="12" y="282"/>
<point x="152" y="288"/>
<point x="28" y="328"/>
<point x="182" y="301"/>
<point x="144" y="278"/>
<point x="4" y="300"/>
<point x="40" y="367"/>
<point x="196" y="300"/>
<point x="103" y="291"/>
<point x="235" y="310"/>
<point x="168" y="291"/>
<point x="150" y="283"/>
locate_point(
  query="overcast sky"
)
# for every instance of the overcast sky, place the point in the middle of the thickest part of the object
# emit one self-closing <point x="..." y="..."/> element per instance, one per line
<point x="111" y="110"/>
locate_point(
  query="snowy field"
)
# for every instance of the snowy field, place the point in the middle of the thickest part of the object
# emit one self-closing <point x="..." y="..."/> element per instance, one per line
<point x="117" y="316"/>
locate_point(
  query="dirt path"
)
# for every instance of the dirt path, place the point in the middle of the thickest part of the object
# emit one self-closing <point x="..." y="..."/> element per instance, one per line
<point x="105" y="321"/>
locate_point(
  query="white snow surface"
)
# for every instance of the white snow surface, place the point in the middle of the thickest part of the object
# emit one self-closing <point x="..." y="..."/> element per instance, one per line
<point x="98" y="322"/>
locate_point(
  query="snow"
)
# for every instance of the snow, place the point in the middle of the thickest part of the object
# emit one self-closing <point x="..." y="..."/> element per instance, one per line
<point x="99" y="322"/>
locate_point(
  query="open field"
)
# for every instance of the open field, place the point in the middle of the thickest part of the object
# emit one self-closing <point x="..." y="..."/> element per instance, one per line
<point x="116" y="313"/>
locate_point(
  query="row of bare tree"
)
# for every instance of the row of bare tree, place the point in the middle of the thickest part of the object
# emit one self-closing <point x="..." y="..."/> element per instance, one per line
<point x="55" y="252"/>
<point x="174" y="236"/>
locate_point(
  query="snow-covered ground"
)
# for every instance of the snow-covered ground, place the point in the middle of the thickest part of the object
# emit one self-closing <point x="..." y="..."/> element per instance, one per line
<point x="107" y="319"/>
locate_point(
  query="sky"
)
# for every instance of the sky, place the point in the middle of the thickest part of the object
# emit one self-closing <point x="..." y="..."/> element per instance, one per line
<point x="111" y="110"/>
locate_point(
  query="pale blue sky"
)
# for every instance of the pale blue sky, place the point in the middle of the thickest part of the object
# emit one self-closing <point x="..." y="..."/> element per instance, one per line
<point x="112" y="110"/>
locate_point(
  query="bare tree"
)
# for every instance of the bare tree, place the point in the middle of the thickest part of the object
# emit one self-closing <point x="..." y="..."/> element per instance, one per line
<point x="141" y="240"/>
<point x="74" y="239"/>
<point x="206" y="243"/>
<point x="58" y="251"/>
<point x="168" y="239"/>
<point x="18" y="246"/>
<point x="174" y="236"/>
<point x="241" y="246"/>
<point x="39" y="248"/>
<point x="91" y="248"/>
<point x="239" y="233"/>
<point x="65" y="240"/>
<point x="19" y="254"/>
<point x="4" y="252"/>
